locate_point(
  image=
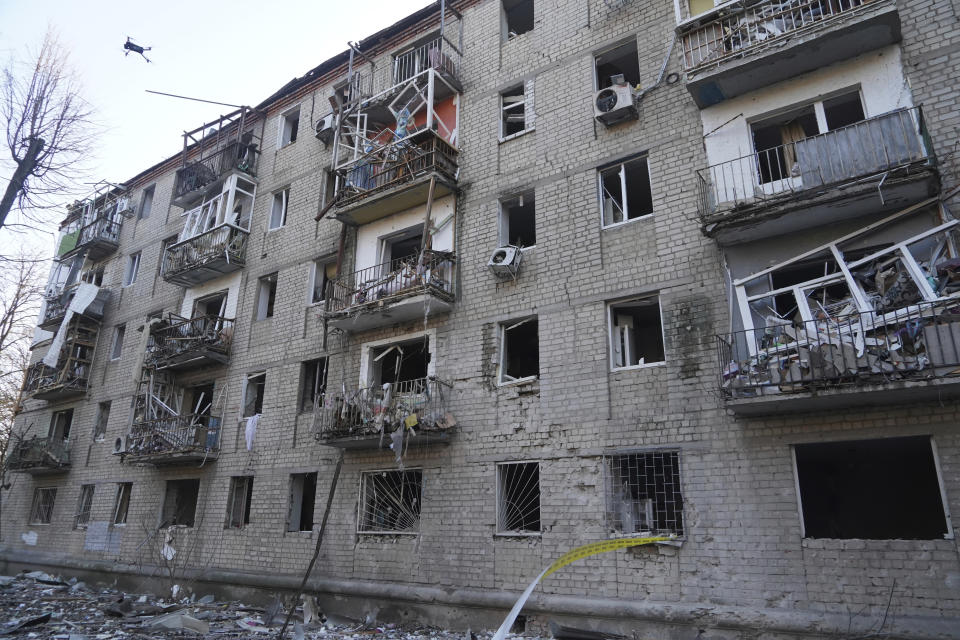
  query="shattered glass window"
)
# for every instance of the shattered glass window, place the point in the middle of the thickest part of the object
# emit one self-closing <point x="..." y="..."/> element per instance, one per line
<point x="390" y="501"/>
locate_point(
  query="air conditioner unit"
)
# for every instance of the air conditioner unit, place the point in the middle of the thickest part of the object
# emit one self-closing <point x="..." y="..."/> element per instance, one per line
<point x="505" y="261"/>
<point x="325" y="128"/>
<point x="119" y="446"/>
<point x="615" y="104"/>
<point x="125" y="208"/>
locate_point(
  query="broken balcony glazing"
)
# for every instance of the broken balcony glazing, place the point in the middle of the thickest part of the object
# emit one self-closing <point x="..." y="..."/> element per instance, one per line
<point x="184" y="343"/>
<point x="39" y="455"/>
<point x="173" y="439"/>
<point x="70" y="375"/>
<point x="57" y="299"/>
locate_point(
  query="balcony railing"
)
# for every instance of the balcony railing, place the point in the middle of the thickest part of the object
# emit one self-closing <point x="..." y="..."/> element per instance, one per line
<point x="919" y="342"/>
<point x="190" y="341"/>
<point x="220" y="250"/>
<point x="67" y="380"/>
<point x="388" y="282"/>
<point x="420" y="405"/>
<point x="737" y="30"/>
<point x="39" y="454"/>
<point x="869" y="147"/>
<point x="183" y="437"/>
<point x="100" y="237"/>
<point x="435" y="54"/>
<point x="197" y="175"/>
<point x="58" y="299"/>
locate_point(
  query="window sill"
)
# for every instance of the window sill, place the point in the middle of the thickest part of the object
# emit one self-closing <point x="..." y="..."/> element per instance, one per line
<point x="39" y="524"/>
<point x="380" y="534"/>
<point x="280" y="228"/>
<point x="514" y="136"/>
<point x="635" y="367"/>
<point x="286" y="145"/>
<point x="518" y="381"/>
<point x="625" y="222"/>
<point x="518" y="534"/>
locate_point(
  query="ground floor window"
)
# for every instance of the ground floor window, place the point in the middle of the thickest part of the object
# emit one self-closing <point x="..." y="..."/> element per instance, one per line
<point x="643" y="493"/>
<point x="390" y="501"/>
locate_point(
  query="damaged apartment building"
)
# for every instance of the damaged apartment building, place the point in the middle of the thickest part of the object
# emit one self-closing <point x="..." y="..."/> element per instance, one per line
<point x="520" y="276"/>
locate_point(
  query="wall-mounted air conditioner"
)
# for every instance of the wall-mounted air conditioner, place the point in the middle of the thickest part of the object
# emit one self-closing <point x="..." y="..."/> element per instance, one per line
<point x="119" y="446"/>
<point x="125" y="207"/>
<point x="615" y="104"/>
<point x="325" y="128"/>
<point x="505" y="261"/>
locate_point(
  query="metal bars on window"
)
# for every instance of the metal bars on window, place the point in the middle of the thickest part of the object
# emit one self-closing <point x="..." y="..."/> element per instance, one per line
<point x="643" y="493"/>
<point x="390" y="501"/>
<point x="518" y="498"/>
<point x="41" y="512"/>
<point x="84" y="506"/>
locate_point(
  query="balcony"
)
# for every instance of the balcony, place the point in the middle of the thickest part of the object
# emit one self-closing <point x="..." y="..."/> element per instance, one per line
<point x="57" y="383"/>
<point x="187" y="343"/>
<point x="395" y="177"/>
<point x="173" y="440"/>
<point x="206" y="175"/>
<point x="744" y="45"/>
<point x="392" y="293"/>
<point x="206" y="256"/>
<point x="39" y="455"/>
<point x="98" y="239"/>
<point x="405" y="413"/>
<point x="830" y="177"/>
<point x="438" y="54"/>
<point x="59" y="298"/>
<point x="908" y="355"/>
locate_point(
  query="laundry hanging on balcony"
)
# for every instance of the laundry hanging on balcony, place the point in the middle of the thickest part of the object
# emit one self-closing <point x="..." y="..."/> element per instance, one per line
<point x="85" y="294"/>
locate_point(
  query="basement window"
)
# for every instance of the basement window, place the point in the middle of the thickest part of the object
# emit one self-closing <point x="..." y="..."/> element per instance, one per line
<point x="100" y="425"/>
<point x="625" y="191"/>
<point x="180" y="503"/>
<point x="278" y="210"/>
<point x="636" y="333"/>
<point x="885" y="489"/>
<point x="303" y="495"/>
<point x="238" y="502"/>
<point x="519" y="351"/>
<point x="619" y="61"/>
<point x="84" y="505"/>
<point x="253" y="393"/>
<point x="41" y="512"/>
<point x="518" y="224"/>
<point x="390" y="501"/>
<point x="313" y="383"/>
<point x="513" y="112"/>
<point x="518" y="498"/>
<point x="266" y="296"/>
<point x="289" y="125"/>
<point x="516" y="18"/>
<point x="643" y="493"/>
<point x="121" y="505"/>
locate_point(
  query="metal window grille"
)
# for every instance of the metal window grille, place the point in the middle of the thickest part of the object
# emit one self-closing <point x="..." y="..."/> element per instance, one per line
<point x="83" y="506"/>
<point x="518" y="497"/>
<point x="238" y="502"/>
<point x="42" y="510"/>
<point x="390" y="501"/>
<point x="643" y="493"/>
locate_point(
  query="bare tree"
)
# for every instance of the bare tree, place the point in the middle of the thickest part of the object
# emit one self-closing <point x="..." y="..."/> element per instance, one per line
<point x="49" y="128"/>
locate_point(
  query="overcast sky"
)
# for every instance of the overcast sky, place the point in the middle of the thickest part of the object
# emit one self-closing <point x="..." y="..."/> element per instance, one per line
<point x="238" y="52"/>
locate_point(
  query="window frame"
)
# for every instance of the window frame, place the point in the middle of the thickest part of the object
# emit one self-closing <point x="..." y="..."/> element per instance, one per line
<point x="243" y="485"/>
<point x="601" y="170"/>
<point x="84" y="506"/>
<point x="295" y="512"/>
<point x="285" y="139"/>
<point x="597" y="81"/>
<point x="319" y="268"/>
<point x="116" y="344"/>
<point x="498" y="493"/>
<point x="253" y="375"/>
<point x="266" y="288"/>
<point x="102" y="419"/>
<point x="505" y="23"/>
<point x="146" y="202"/>
<point x="503" y="217"/>
<point x="36" y="517"/>
<point x="122" y="499"/>
<point x="284" y="199"/>
<point x="132" y="269"/>
<point x="362" y="504"/>
<point x="322" y="367"/>
<point x="527" y="126"/>
<point x="610" y="333"/>
<point x="608" y="460"/>
<point x="502" y="329"/>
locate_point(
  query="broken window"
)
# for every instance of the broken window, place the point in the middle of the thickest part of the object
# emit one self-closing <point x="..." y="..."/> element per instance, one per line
<point x="133" y="267"/>
<point x="41" y="512"/>
<point x="211" y="306"/>
<point x="518" y="224"/>
<point x="303" y="495"/>
<point x="93" y="276"/>
<point x="84" y="505"/>
<point x="519" y="350"/>
<point x="313" y="383"/>
<point x="253" y="393"/>
<point x="643" y="493"/>
<point x="289" y="125"/>
<point x="513" y="112"/>
<point x="121" y="504"/>
<point x="401" y="362"/>
<point x="278" y="210"/>
<point x="625" y="191"/>
<point x="146" y="201"/>
<point x="882" y="489"/>
<point x="116" y="348"/>
<point x="636" y="332"/>
<point x="100" y="424"/>
<point x="323" y="273"/>
<point x="238" y="502"/>
<point x="401" y="247"/>
<point x="518" y="497"/>
<point x="60" y="423"/>
<point x="180" y="503"/>
<point x="266" y="296"/>
<point x="618" y="65"/>
<point x="516" y="18"/>
<point x="390" y="501"/>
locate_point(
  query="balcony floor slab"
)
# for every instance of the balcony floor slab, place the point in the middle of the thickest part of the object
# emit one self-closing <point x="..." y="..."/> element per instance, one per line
<point x="380" y="204"/>
<point x="374" y="441"/>
<point x="387" y="312"/>
<point x="172" y="459"/>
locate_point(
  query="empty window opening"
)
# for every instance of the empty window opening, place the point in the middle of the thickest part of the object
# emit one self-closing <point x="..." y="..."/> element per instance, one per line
<point x="180" y="503"/>
<point x="323" y="273"/>
<point x="60" y="423"/>
<point x="212" y="306"/>
<point x="84" y="505"/>
<point x="303" y="495"/>
<point x="643" y="493"/>
<point x="390" y="501"/>
<point x="519" y="350"/>
<point x="41" y="511"/>
<point x="133" y="267"/>
<point x="518" y="224"/>
<point x="100" y="424"/>
<point x="872" y="489"/>
<point x="843" y="110"/>
<point x="253" y="394"/>
<point x="516" y="18"/>
<point x="625" y="191"/>
<point x="402" y="247"/>
<point x="146" y="201"/>
<point x="266" y="296"/>
<point x="238" y="502"/>
<point x="198" y="401"/>
<point x="518" y="498"/>
<point x="121" y="504"/>
<point x="513" y="112"/>
<point x="289" y="126"/>
<point x="636" y="332"/>
<point x="313" y="383"/>
<point x="93" y="276"/>
<point x="116" y="349"/>
<point x="618" y="65"/>
<point x="401" y="362"/>
<point x="278" y="211"/>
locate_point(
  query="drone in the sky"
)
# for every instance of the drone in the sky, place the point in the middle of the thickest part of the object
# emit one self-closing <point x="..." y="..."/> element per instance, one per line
<point x="130" y="45"/>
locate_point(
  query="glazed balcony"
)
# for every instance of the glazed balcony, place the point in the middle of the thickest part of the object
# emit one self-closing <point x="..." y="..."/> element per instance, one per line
<point x="187" y="343"/>
<point x="206" y="175"/>
<point x="206" y="256"/>
<point x="57" y="383"/>
<point x="395" y="177"/>
<point x="39" y="455"/>
<point x="392" y="293"/>
<point x="173" y="440"/>
<point x="59" y="298"/>
<point x="747" y="44"/>
<point x="908" y="355"/>
<point x="828" y="177"/>
<point x="413" y="411"/>
<point x="98" y="239"/>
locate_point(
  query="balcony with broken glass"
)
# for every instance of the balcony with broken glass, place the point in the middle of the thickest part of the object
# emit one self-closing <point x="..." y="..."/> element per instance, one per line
<point x="39" y="455"/>
<point x="736" y="47"/>
<point x="58" y="299"/>
<point x="68" y="377"/>
<point x="871" y="318"/>
<point x="169" y="440"/>
<point x="94" y="224"/>
<point x="871" y="165"/>
<point x="179" y="343"/>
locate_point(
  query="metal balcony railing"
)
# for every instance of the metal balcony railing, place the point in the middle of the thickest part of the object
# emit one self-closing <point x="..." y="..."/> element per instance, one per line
<point x="739" y="28"/>
<point x="433" y="274"/>
<point x="69" y="378"/>
<point x="102" y="229"/>
<point x="394" y="164"/>
<point x="183" y="337"/>
<point x="38" y="452"/>
<point x="919" y="342"/>
<point x="383" y="409"/>
<point x="435" y="54"/>
<point x="865" y="148"/>
<point x="223" y="243"/>
<point x="183" y="434"/>
<point x="57" y="303"/>
<point x="197" y="174"/>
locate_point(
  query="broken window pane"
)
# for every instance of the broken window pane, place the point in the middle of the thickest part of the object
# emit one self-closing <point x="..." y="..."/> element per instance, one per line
<point x="519" y="350"/>
<point x="122" y="503"/>
<point x="619" y="61"/>
<point x="238" y="502"/>
<point x="116" y="349"/>
<point x="517" y="18"/>
<point x="518" y="220"/>
<point x="843" y="110"/>
<point x="289" y="126"/>
<point x="41" y="512"/>
<point x="390" y="502"/>
<point x="84" y="505"/>
<point x="100" y="425"/>
<point x="278" y="210"/>
<point x="303" y="495"/>
<point x="518" y="497"/>
<point x="266" y="296"/>
<point x="180" y="503"/>
<point x="253" y="394"/>
<point x="872" y="489"/>
<point x="625" y="191"/>
<point x="323" y="273"/>
<point x="313" y="383"/>
<point x="60" y="424"/>
<point x="774" y="138"/>
<point x="643" y="493"/>
<point x="401" y="362"/>
<point x="636" y="332"/>
<point x="513" y="118"/>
